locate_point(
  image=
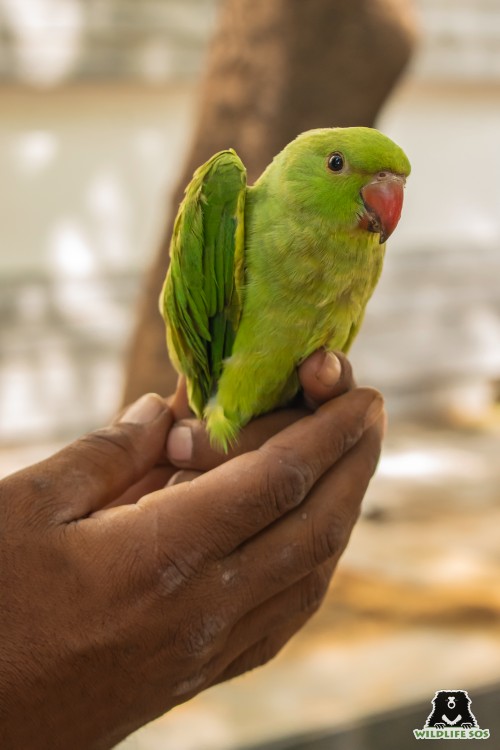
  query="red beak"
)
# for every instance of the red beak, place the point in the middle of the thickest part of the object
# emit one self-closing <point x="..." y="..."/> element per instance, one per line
<point x="383" y="201"/>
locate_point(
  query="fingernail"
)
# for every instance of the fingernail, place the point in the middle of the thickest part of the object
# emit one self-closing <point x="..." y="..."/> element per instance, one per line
<point x="330" y="371"/>
<point x="180" y="444"/>
<point x="147" y="408"/>
<point x="374" y="411"/>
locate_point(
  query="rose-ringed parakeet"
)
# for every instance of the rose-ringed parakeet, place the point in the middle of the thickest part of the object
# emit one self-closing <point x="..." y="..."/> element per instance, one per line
<point x="262" y="276"/>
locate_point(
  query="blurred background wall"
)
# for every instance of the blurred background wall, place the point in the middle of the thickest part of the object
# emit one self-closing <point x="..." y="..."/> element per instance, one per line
<point x="98" y="100"/>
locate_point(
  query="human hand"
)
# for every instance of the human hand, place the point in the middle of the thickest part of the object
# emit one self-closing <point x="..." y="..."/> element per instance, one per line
<point x="111" y="616"/>
<point x="323" y="376"/>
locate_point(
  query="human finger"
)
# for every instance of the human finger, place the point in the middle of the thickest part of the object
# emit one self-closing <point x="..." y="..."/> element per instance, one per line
<point x="158" y="477"/>
<point x="286" y="612"/>
<point x="238" y="499"/>
<point x="325" y="375"/>
<point x="265" y="649"/>
<point x="310" y="535"/>
<point x="98" y="467"/>
<point x="184" y="475"/>
<point x="302" y="598"/>
<point x="188" y="442"/>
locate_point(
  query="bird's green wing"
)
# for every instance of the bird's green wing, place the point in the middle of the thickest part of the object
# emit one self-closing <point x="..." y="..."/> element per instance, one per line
<point x="201" y="298"/>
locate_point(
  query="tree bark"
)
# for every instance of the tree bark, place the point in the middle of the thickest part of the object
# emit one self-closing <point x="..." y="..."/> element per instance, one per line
<point x="275" y="69"/>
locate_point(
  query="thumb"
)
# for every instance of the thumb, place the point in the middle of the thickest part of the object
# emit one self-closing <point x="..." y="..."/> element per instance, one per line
<point x="325" y="375"/>
<point x="100" y="466"/>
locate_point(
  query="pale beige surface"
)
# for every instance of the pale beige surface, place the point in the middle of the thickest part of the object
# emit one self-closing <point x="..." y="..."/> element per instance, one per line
<point x="85" y="172"/>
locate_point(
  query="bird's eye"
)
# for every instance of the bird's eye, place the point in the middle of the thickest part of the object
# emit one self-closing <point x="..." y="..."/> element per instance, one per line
<point x="336" y="162"/>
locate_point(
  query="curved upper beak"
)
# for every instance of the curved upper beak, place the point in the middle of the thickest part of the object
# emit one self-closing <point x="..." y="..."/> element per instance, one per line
<point x="383" y="201"/>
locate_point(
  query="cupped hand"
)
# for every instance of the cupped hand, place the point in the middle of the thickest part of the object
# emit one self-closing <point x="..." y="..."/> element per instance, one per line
<point x="112" y="615"/>
<point x="323" y="376"/>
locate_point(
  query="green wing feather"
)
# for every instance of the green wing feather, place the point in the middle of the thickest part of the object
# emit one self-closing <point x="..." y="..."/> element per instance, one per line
<point x="201" y="299"/>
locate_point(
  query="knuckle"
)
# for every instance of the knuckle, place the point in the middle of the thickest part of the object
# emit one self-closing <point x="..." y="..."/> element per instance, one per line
<point x="189" y="686"/>
<point x="313" y="592"/>
<point x="286" y="484"/>
<point x="27" y="499"/>
<point x="199" y="636"/>
<point x="175" y="574"/>
<point x="331" y="540"/>
<point x="344" y="438"/>
<point x="109" y="442"/>
<point x="266" y="650"/>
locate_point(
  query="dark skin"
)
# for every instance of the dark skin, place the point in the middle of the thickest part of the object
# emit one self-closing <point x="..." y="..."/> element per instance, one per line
<point x="122" y="598"/>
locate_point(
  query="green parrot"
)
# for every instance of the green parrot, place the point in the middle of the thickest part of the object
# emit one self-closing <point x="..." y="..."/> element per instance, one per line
<point x="262" y="276"/>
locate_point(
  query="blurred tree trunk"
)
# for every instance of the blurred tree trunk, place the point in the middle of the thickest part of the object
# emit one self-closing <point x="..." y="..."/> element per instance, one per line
<point x="276" y="68"/>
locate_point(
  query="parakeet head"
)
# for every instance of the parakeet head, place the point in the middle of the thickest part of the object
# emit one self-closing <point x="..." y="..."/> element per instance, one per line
<point x="353" y="178"/>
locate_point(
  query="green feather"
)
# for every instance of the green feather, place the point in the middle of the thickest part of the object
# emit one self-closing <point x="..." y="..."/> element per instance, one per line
<point x="201" y="299"/>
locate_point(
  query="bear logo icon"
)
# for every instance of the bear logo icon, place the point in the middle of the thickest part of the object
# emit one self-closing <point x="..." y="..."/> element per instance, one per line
<point x="451" y="708"/>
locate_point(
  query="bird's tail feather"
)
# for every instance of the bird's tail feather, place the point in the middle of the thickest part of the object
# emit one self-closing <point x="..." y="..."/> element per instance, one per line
<point x="221" y="429"/>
